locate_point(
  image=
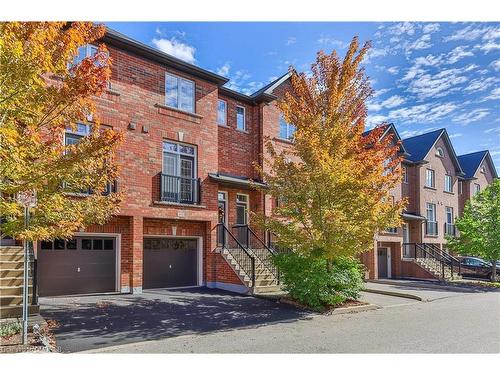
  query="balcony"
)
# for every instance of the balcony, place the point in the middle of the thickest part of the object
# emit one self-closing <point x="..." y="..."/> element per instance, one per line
<point x="450" y="229"/>
<point x="176" y="189"/>
<point x="431" y="228"/>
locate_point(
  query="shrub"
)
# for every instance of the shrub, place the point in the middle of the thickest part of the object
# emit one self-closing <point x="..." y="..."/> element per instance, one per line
<point x="9" y="329"/>
<point x="307" y="280"/>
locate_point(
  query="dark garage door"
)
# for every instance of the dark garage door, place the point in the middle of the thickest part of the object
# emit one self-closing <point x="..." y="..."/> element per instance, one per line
<point x="170" y="262"/>
<point x="81" y="265"/>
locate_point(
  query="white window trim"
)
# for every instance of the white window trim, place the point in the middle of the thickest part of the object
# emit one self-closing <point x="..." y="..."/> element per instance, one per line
<point x="452" y="215"/>
<point x="195" y="158"/>
<point x="433" y="186"/>
<point x="244" y="119"/>
<point x="247" y="204"/>
<point x="433" y="205"/>
<point x="405" y="174"/>
<point x="440" y="152"/>
<point x="226" y="201"/>
<point x="225" y="114"/>
<point x="445" y="185"/>
<point x="178" y="92"/>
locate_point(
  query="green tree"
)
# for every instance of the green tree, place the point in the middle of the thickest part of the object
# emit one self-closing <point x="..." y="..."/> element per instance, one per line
<point x="479" y="227"/>
<point x="42" y="93"/>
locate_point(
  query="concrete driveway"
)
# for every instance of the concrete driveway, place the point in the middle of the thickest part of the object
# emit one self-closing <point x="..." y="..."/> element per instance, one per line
<point x="91" y="322"/>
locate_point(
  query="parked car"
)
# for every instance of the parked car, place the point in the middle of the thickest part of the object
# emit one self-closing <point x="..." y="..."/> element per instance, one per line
<point x="477" y="267"/>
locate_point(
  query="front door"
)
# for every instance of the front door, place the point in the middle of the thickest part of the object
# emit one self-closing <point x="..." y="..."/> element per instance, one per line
<point x="382" y="262"/>
<point x="222" y="212"/>
<point x="406" y="239"/>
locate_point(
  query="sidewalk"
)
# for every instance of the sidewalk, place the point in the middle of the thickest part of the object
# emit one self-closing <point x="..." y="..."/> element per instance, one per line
<point x="425" y="291"/>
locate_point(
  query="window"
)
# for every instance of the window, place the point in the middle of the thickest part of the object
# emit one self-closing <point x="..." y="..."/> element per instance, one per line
<point x="404" y="171"/>
<point x="429" y="178"/>
<point x="440" y="152"/>
<point x="431" y="226"/>
<point x="241" y="209"/>
<point x="477" y="188"/>
<point x="448" y="184"/>
<point x="221" y="112"/>
<point x="449" y="215"/>
<point x="179" y="93"/>
<point x="460" y="187"/>
<point x="178" y="183"/>
<point x="392" y="230"/>
<point x="240" y="118"/>
<point x="286" y="130"/>
<point x="483" y="169"/>
<point x="88" y="50"/>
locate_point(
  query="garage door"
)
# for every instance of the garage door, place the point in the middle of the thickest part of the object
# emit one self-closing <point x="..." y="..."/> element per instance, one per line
<point x="81" y="265"/>
<point x="170" y="262"/>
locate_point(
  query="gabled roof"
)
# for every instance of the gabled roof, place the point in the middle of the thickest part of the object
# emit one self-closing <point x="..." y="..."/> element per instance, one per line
<point x="390" y="128"/>
<point x="115" y="38"/>
<point x="270" y="87"/>
<point x="470" y="163"/>
<point x="420" y="145"/>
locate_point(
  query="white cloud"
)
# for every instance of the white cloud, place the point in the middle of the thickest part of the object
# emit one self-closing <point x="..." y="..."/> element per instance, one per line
<point x="480" y="84"/>
<point x="423" y="42"/>
<point x="457" y="54"/>
<point x="427" y="113"/>
<point x="393" y="101"/>
<point x="494" y="95"/>
<point x="291" y="40"/>
<point x="471" y="116"/>
<point x="488" y="46"/>
<point x="434" y="86"/>
<point x="455" y="135"/>
<point x="372" y="121"/>
<point x="327" y="40"/>
<point x="430" y="28"/>
<point x="473" y="32"/>
<point x="224" y="69"/>
<point x="374" y="53"/>
<point x="176" y="48"/>
<point x="413" y="133"/>
<point x="380" y="92"/>
<point x="408" y="28"/>
<point x="496" y="65"/>
<point x="493" y="130"/>
<point x="393" y="70"/>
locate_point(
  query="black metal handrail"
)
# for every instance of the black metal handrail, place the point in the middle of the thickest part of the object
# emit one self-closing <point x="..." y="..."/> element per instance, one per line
<point x="245" y="260"/>
<point x="179" y="189"/>
<point x="255" y="244"/>
<point x="433" y="251"/>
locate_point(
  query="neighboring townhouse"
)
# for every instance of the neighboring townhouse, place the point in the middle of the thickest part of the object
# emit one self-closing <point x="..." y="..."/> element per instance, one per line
<point x="436" y="184"/>
<point x="479" y="172"/>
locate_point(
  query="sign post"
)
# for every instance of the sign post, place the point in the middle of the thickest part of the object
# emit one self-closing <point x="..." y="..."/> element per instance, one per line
<point x="28" y="200"/>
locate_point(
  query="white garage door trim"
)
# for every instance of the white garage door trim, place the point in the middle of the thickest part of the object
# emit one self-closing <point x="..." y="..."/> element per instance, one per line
<point x="200" y="255"/>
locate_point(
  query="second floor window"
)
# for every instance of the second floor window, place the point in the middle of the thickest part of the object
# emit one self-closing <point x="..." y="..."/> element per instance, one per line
<point x="449" y="215"/>
<point x="240" y="118"/>
<point x="477" y="188"/>
<point x="286" y="130"/>
<point x="178" y="182"/>
<point x="429" y="178"/>
<point x="88" y="50"/>
<point x="431" y="212"/>
<point x="179" y="93"/>
<point x="221" y="112"/>
<point x="73" y="136"/>
<point x="448" y="184"/>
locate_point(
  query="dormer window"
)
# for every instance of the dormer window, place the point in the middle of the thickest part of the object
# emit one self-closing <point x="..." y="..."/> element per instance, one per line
<point x="482" y="169"/>
<point x="439" y="152"/>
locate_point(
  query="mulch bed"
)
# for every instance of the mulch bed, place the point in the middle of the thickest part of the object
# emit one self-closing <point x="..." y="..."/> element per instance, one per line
<point x="13" y="343"/>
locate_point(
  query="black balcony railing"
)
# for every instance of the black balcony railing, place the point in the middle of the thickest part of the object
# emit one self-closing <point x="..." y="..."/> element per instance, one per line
<point x="179" y="189"/>
<point x="450" y="229"/>
<point x="431" y="228"/>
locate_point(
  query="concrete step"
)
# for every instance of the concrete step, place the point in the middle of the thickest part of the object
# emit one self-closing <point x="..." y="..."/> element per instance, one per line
<point x="13" y="300"/>
<point x="13" y="281"/>
<point x="11" y="257"/>
<point x="14" y="290"/>
<point x="17" y="311"/>
<point x="11" y="265"/>
<point x="11" y="273"/>
<point x="266" y="289"/>
<point x="12" y="250"/>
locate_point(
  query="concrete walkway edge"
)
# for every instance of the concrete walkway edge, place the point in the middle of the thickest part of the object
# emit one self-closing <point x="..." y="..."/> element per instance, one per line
<point x="395" y="294"/>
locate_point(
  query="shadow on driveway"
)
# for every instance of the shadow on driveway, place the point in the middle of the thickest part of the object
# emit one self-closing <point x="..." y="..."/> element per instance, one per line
<point x="90" y="322"/>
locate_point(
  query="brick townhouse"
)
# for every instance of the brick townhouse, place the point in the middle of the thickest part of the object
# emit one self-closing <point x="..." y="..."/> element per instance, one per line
<point x="436" y="183"/>
<point x="188" y="180"/>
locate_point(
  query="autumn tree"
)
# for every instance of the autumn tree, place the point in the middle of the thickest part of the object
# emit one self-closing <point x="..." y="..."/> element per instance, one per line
<point x="43" y="92"/>
<point x="479" y="227"/>
<point x="333" y="186"/>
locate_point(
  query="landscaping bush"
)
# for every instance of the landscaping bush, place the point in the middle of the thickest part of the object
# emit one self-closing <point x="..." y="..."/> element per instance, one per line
<point x="307" y="280"/>
<point x="9" y="329"/>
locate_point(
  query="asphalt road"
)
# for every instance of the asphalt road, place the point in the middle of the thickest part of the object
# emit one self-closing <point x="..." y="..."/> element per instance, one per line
<point x="456" y="322"/>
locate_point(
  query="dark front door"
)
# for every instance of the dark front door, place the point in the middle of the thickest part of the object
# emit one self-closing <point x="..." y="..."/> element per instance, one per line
<point x="81" y="265"/>
<point x="170" y="262"/>
<point x="382" y="262"/>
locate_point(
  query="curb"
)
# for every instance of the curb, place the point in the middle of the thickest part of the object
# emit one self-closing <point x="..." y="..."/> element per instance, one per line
<point x="395" y="294"/>
<point x="353" y="309"/>
<point x="453" y="286"/>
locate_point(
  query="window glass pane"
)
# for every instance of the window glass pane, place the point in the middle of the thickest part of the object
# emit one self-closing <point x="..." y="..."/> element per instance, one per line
<point x="108" y="244"/>
<point x="241" y="217"/>
<point x="186" y="149"/>
<point x="58" y="244"/>
<point x="71" y="244"/>
<point x="72" y="139"/>
<point x="221" y="112"/>
<point x="86" y="244"/>
<point x="187" y="95"/>
<point x="168" y="146"/>
<point x="46" y="245"/>
<point x="171" y="91"/>
<point x="283" y="128"/>
<point x="241" y="198"/>
<point x="170" y="164"/>
<point x="221" y="196"/>
<point x="97" y="244"/>
<point x="240" y="118"/>
<point x="186" y="168"/>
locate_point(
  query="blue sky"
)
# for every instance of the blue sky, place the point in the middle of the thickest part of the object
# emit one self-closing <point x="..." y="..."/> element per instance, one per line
<point x="425" y="75"/>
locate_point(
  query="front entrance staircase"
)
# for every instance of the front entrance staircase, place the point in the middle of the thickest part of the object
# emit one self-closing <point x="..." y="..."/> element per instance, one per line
<point x="11" y="283"/>
<point x="250" y="258"/>
<point x="430" y="257"/>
